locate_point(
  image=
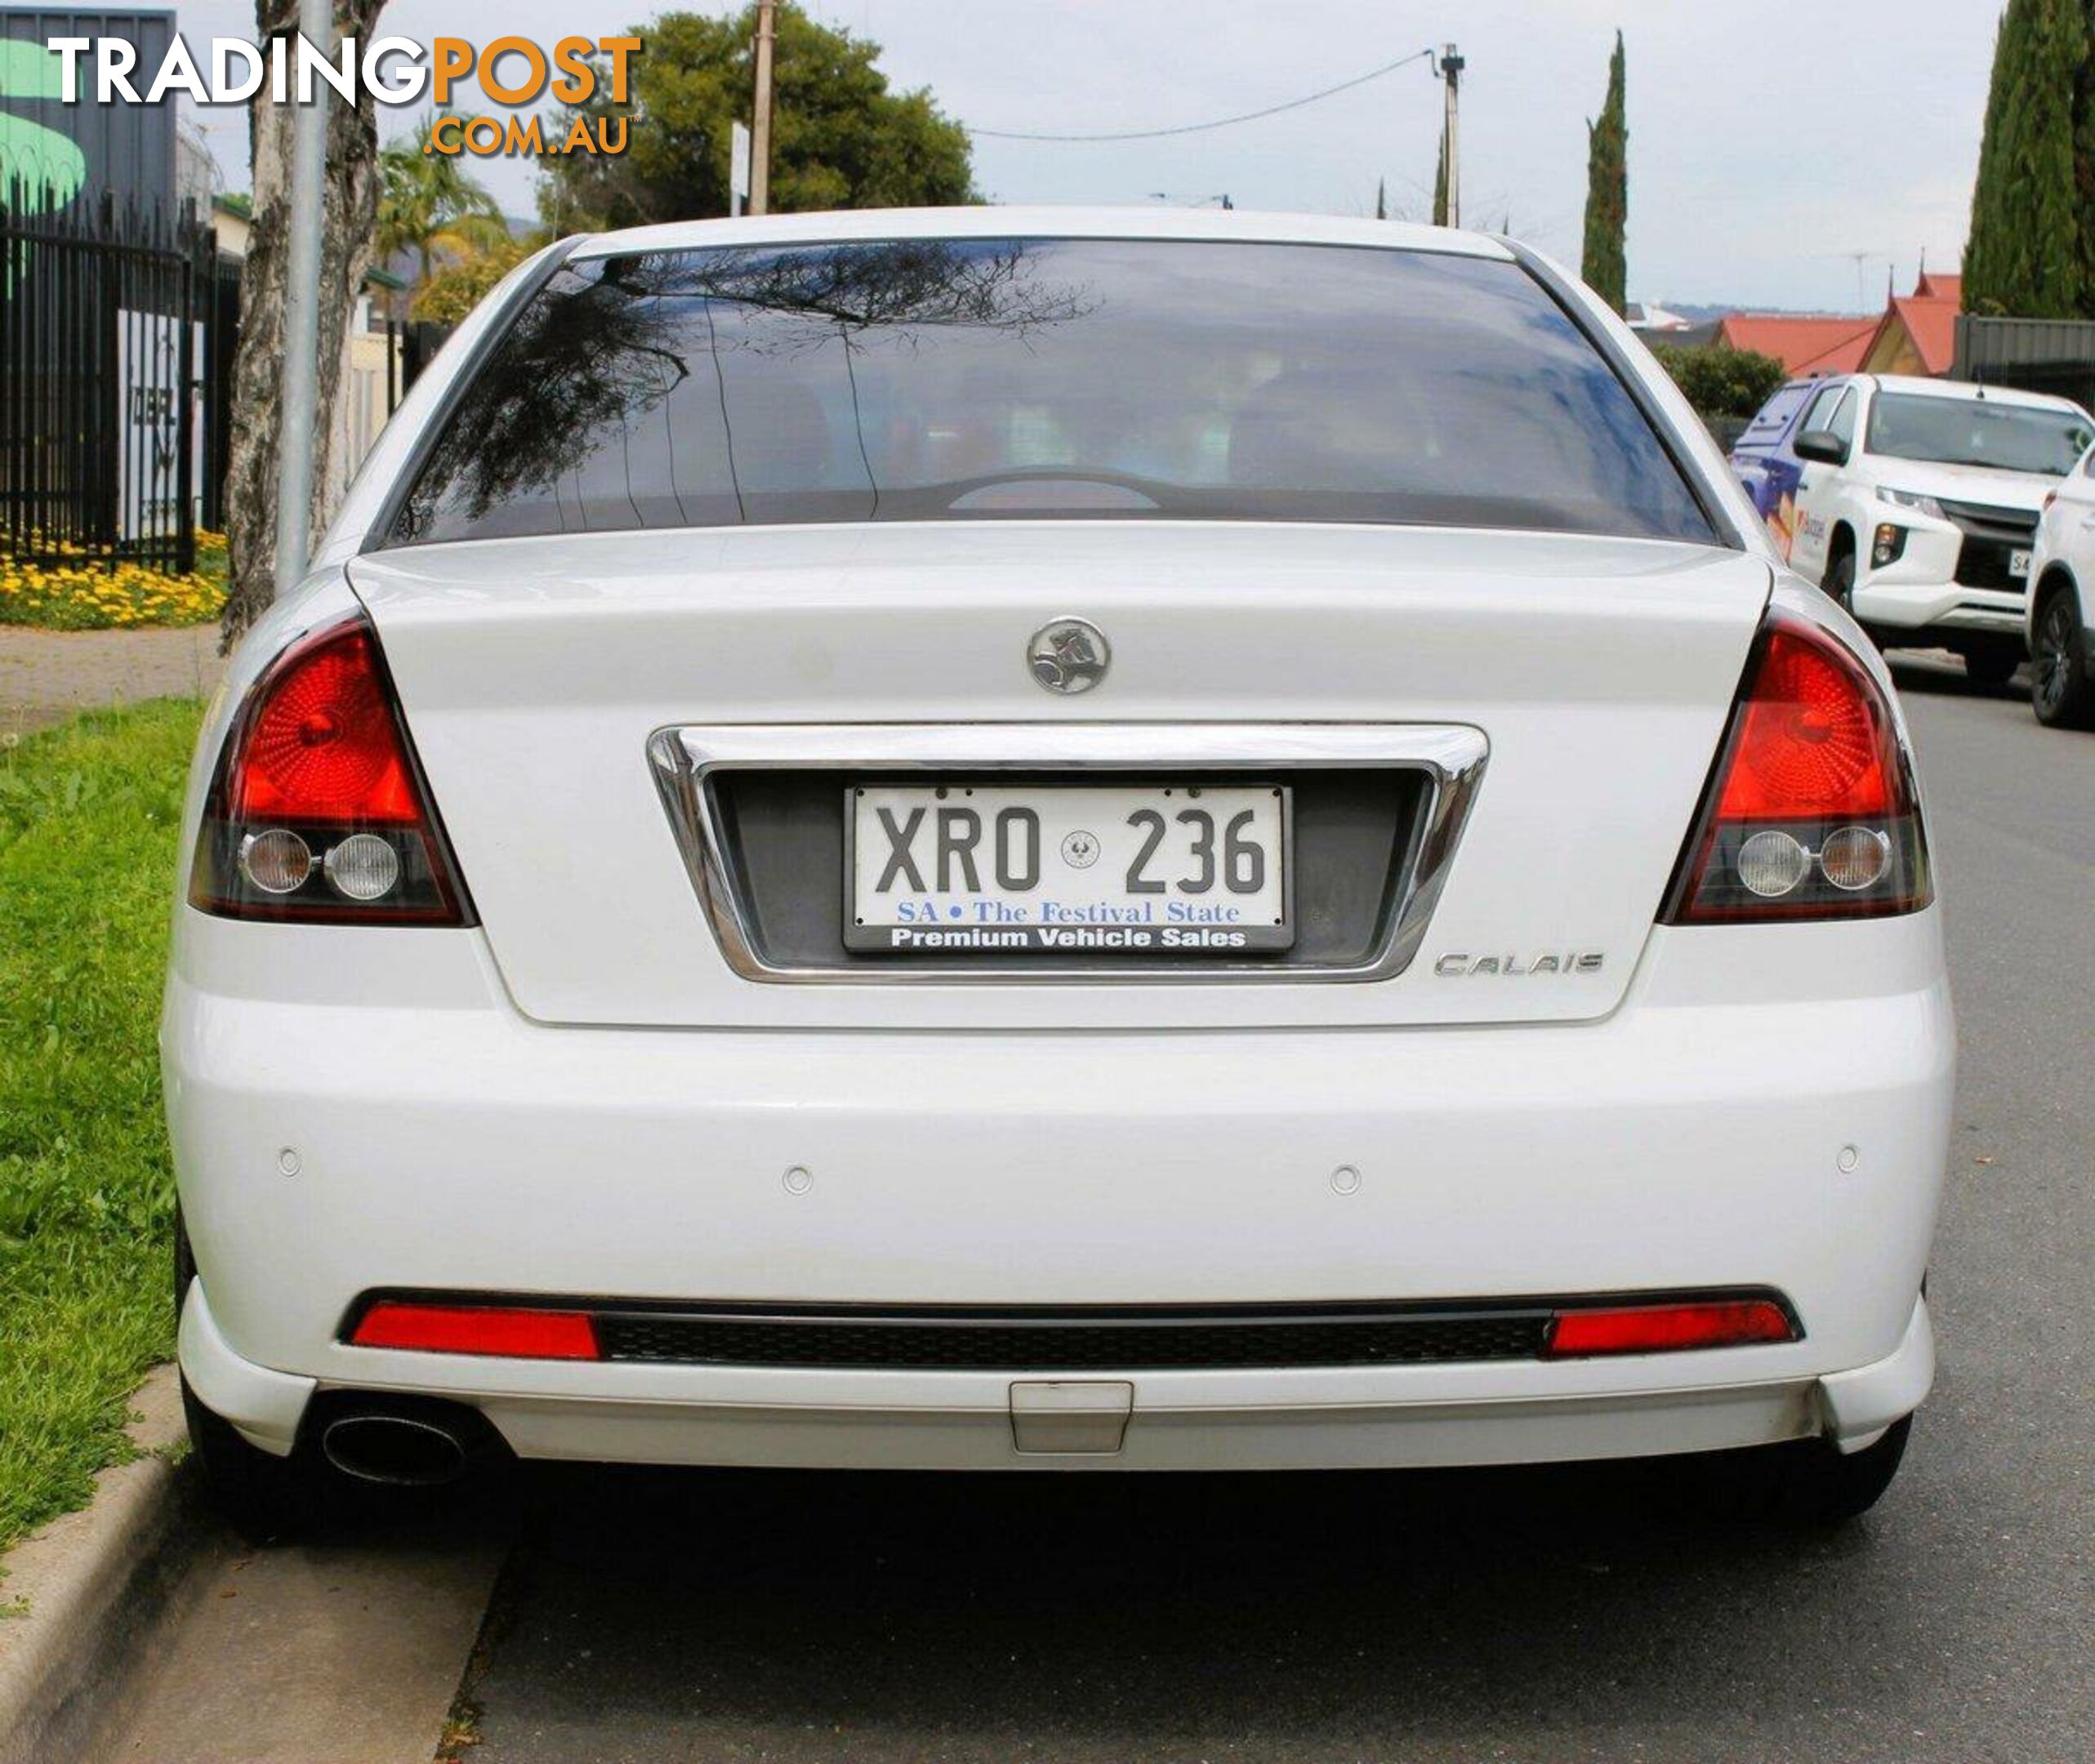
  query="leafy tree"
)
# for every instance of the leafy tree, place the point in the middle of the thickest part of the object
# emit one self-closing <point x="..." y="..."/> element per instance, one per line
<point x="840" y="138"/>
<point x="2030" y="251"/>
<point x="430" y="205"/>
<point x="1722" y="382"/>
<point x="1606" y="266"/>
<point x="460" y="285"/>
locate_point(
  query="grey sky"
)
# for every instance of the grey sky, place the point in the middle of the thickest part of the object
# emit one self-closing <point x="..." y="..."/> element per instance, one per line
<point x="1767" y="146"/>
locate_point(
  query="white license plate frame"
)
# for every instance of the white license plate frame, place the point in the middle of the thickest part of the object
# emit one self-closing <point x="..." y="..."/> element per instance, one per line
<point x="1099" y="922"/>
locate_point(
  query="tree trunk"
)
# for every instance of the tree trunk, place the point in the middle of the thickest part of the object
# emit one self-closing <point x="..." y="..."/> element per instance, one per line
<point x="349" y="213"/>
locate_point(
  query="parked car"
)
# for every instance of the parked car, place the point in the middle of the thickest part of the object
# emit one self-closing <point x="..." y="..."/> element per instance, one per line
<point x="1036" y="838"/>
<point x="2061" y="636"/>
<point x="1913" y="502"/>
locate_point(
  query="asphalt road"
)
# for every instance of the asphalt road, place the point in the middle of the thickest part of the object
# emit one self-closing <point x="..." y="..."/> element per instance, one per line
<point x="1532" y="1615"/>
<point x="1544" y="1614"/>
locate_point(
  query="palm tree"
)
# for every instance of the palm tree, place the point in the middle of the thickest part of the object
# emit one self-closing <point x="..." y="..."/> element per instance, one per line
<point x="430" y="205"/>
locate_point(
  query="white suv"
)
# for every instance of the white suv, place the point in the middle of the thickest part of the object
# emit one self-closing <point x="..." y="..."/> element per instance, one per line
<point x="1916" y="507"/>
<point x="2060" y="632"/>
<point x="1034" y="838"/>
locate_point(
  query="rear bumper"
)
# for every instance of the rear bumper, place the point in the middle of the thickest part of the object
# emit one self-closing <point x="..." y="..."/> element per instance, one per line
<point x="1328" y="1418"/>
<point x="1769" y="1108"/>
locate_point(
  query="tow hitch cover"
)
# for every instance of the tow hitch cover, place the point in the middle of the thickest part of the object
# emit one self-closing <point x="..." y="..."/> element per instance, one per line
<point x="1083" y="1416"/>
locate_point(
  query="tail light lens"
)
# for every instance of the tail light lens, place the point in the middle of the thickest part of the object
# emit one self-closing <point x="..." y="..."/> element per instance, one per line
<point x="1668" y="1328"/>
<point x="1811" y="811"/>
<point x="517" y="1334"/>
<point x="318" y="812"/>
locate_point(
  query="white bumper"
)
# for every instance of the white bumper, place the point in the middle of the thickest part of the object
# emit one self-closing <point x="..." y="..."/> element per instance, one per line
<point x="1920" y="592"/>
<point x="1792" y="1137"/>
<point x="1327" y="1418"/>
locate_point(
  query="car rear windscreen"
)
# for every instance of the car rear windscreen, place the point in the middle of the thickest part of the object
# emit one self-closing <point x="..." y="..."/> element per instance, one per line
<point x="939" y="379"/>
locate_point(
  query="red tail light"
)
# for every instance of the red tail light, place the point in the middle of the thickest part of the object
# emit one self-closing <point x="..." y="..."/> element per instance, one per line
<point x="1668" y="1328"/>
<point x="1811" y="812"/>
<point x="318" y="812"/>
<point x="502" y="1329"/>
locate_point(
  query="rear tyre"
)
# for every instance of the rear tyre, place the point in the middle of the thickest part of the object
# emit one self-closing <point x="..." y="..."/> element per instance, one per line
<point x="2061" y="692"/>
<point x="265" y="1497"/>
<point x="1809" y="1484"/>
<point x="1991" y="667"/>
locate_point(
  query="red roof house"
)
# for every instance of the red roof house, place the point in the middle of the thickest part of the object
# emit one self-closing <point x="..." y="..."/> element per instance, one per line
<point x="1803" y="346"/>
<point x="1918" y="334"/>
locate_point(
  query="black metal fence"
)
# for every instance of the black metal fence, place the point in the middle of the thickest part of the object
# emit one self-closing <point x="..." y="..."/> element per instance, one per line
<point x="418" y="342"/>
<point x="221" y="336"/>
<point x="112" y="419"/>
<point x="2034" y="354"/>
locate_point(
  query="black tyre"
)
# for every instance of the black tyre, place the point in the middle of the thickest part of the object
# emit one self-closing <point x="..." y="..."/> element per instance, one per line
<point x="1810" y="1483"/>
<point x="1840" y="581"/>
<point x="1991" y="667"/>
<point x="265" y="1497"/>
<point x="2061" y="692"/>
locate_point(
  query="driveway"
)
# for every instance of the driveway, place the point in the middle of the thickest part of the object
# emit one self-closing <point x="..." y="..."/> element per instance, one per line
<point x="47" y="676"/>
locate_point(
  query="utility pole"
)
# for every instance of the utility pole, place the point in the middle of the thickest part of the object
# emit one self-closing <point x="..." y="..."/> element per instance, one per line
<point x="760" y="146"/>
<point x="301" y="311"/>
<point x="1452" y="64"/>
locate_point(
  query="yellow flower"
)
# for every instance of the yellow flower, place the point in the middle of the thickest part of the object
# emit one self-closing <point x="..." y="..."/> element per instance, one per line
<point x="65" y="586"/>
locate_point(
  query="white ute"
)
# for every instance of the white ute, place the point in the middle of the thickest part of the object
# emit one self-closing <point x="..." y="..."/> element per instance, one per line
<point x="1015" y="839"/>
<point x="1917" y="507"/>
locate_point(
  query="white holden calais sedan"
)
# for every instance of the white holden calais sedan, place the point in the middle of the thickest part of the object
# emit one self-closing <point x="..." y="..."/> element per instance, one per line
<point x="1049" y="839"/>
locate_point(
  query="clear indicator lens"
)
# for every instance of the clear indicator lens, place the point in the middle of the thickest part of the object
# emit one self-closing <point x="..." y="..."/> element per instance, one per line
<point x="363" y="867"/>
<point x="1772" y="864"/>
<point x="1856" y="857"/>
<point x="277" y="862"/>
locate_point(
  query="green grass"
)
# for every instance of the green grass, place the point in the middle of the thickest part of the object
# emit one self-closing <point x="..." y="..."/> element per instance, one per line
<point x="88" y="819"/>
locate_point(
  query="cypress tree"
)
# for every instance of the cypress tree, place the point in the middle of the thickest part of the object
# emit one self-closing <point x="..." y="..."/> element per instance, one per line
<point x="1440" y="183"/>
<point x="2084" y="160"/>
<point x="2029" y="251"/>
<point x="1606" y="263"/>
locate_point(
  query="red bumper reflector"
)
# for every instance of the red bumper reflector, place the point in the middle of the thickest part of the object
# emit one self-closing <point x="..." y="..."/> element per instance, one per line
<point x="478" y="1329"/>
<point x="1665" y="1328"/>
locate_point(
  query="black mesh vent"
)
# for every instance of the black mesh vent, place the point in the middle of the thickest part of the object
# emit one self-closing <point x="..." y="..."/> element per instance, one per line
<point x="1992" y="536"/>
<point x="1986" y="563"/>
<point x="1071" y="1342"/>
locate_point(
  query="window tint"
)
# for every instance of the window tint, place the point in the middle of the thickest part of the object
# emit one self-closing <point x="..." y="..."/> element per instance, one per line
<point x="945" y="379"/>
<point x="1974" y="431"/>
<point x="1773" y="417"/>
<point x="1841" y="422"/>
<point x="1820" y="414"/>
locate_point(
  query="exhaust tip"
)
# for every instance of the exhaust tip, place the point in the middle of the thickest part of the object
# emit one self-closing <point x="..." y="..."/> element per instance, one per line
<point x="403" y="1449"/>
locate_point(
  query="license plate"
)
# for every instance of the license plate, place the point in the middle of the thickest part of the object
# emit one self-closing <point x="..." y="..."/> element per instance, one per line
<point x="2018" y="563"/>
<point x="1136" y="869"/>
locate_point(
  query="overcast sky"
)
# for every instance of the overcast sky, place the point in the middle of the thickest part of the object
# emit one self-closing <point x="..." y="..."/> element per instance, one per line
<point x="1767" y="145"/>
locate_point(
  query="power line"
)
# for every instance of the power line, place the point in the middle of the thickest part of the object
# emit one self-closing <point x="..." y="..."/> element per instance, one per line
<point x="1196" y="128"/>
